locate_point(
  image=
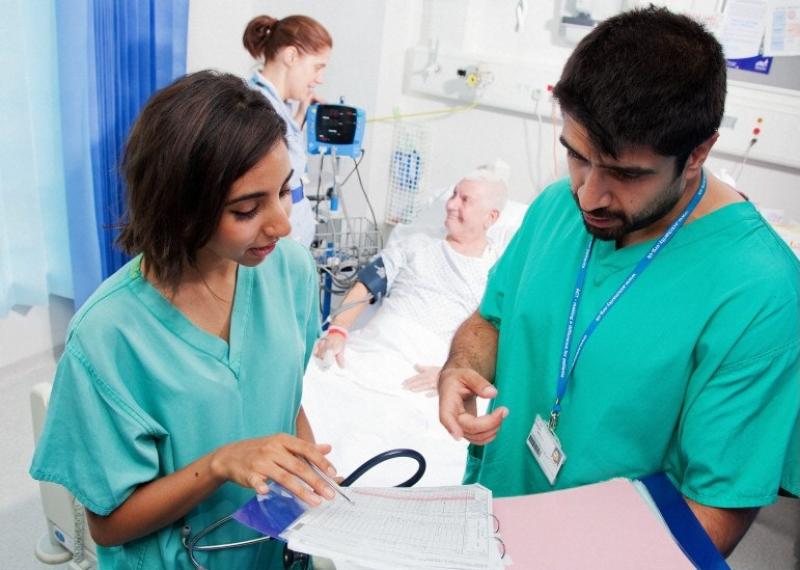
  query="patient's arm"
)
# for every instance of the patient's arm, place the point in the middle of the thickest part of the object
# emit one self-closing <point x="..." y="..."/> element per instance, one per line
<point x="357" y="297"/>
<point x="473" y="354"/>
<point x="725" y="527"/>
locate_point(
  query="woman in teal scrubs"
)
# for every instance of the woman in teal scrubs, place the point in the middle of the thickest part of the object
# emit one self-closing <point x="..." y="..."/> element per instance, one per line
<point x="178" y="393"/>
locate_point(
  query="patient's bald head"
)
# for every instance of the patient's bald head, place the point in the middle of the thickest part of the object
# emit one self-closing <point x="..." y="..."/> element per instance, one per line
<point x="493" y="179"/>
<point x="475" y="204"/>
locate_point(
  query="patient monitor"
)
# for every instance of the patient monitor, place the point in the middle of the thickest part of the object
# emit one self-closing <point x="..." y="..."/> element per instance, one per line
<point x="67" y="539"/>
<point x="336" y="128"/>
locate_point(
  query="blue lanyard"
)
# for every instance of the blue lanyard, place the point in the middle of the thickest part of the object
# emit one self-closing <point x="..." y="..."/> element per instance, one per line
<point x="565" y="371"/>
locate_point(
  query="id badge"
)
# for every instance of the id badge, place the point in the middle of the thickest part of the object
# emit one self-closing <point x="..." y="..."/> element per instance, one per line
<point x="546" y="449"/>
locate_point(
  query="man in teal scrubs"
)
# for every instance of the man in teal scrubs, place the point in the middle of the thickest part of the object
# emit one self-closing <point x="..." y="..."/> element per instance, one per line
<point x="645" y="317"/>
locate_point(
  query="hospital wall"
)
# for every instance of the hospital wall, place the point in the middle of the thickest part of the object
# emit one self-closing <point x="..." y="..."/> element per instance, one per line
<point x="368" y="67"/>
<point x="30" y="334"/>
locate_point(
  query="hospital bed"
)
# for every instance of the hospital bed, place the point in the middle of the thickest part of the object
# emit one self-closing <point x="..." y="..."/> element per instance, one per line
<point x="362" y="409"/>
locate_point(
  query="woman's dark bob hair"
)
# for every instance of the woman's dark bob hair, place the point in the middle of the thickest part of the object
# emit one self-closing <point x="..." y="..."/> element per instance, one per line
<point x="190" y="143"/>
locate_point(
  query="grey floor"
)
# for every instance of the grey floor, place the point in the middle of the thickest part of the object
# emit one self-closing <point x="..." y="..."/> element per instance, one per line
<point x="773" y="542"/>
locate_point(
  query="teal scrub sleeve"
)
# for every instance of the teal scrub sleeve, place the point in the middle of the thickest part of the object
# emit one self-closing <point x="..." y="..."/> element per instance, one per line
<point x="94" y="443"/>
<point x="739" y="425"/>
<point x="737" y="435"/>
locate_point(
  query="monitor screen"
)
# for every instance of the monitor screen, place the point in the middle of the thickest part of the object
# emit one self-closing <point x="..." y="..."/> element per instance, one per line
<point x="336" y="124"/>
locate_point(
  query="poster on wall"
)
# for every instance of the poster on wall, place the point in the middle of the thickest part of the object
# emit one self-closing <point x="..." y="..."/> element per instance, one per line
<point x="782" y="36"/>
<point x="742" y="35"/>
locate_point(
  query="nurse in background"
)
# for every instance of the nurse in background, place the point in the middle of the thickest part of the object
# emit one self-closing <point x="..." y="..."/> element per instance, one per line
<point x="293" y="53"/>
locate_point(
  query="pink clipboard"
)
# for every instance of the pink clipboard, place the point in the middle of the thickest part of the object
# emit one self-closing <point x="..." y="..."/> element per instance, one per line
<point x="604" y="525"/>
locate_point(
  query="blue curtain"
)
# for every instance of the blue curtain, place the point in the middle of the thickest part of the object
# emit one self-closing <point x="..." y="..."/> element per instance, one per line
<point x="76" y="73"/>
<point x="34" y="252"/>
<point x="112" y="55"/>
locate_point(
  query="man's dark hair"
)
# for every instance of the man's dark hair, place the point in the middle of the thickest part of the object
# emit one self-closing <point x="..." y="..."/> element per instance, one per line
<point x="646" y="77"/>
<point x="190" y="143"/>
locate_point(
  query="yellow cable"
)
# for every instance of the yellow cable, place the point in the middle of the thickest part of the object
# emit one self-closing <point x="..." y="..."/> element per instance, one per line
<point x="425" y="113"/>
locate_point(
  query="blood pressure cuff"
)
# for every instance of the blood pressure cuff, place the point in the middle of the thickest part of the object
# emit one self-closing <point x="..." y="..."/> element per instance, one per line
<point x="373" y="276"/>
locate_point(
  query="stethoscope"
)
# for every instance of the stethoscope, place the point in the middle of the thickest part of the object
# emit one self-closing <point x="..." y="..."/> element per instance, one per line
<point x="292" y="559"/>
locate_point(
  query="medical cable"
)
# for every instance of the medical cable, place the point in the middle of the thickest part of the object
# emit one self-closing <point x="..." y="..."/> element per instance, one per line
<point x="190" y="542"/>
<point x="343" y="283"/>
<point x="521" y="11"/>
<point x="746" y="155"/>
<point x="356" y="161"/>
<point x="318" y="198"/>
<point x="369" y="202"/>
<point x="346" y="216"/>
<point x="331" y="290"/>
<point x="539" y="146"/>
<point x="424" y="113"/>
<point x="553" y="119"/>
<point x="319" y="184"/>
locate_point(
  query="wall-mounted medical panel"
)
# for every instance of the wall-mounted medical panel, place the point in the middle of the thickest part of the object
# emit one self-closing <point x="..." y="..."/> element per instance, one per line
<point x="768" y="115"/>
<point x="502" y="85"/>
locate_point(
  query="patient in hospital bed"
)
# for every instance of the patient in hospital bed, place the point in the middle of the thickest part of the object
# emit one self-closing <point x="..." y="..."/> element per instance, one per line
<point x="371" y="400"/>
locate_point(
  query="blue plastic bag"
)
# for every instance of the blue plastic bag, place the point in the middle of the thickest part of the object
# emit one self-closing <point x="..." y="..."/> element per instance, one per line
<point x="272" y="513"/>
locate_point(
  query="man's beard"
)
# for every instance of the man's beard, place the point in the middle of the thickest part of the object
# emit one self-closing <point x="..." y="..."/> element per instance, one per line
<point x="659" y="207"/>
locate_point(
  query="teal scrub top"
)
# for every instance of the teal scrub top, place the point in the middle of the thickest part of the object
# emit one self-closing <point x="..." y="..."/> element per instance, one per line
<point x="141" y="392"/>
<point x="695" y="371"/>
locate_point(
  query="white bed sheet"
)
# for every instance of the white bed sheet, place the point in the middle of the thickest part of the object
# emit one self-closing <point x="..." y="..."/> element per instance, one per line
<point x="362" y="409"/>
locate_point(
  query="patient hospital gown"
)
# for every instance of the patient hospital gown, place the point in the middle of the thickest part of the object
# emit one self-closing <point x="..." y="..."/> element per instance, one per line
<point x="362" y="409"/>
<point x="431" y="283"/>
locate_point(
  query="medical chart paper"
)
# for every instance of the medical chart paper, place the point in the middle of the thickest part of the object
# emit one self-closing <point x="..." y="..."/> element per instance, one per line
<point x="396" y="529"/>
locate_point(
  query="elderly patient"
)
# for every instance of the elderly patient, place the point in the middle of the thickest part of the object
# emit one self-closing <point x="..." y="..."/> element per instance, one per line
<point x="367" y="403"/>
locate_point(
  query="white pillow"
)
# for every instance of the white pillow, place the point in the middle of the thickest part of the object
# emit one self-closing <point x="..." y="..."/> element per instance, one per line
<point x="430" y="220"/>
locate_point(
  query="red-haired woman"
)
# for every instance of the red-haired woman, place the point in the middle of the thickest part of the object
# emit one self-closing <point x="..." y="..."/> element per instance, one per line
<point x="293" y="53"/>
